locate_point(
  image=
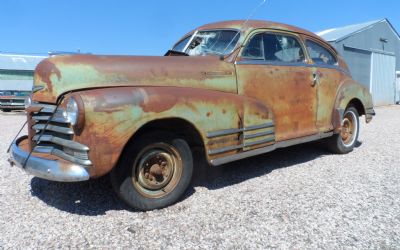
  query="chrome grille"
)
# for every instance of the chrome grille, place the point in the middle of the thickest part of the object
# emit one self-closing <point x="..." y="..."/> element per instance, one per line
<point x="57" y="137"/>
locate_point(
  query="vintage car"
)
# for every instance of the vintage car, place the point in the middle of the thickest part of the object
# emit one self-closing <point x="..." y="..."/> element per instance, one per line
<point x="236" y="89"/>
<point x="13" y="100"/>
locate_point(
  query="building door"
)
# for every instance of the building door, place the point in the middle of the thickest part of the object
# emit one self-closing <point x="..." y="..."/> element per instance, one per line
<point x="398" y="87"/>
<point x="383" y="78"/>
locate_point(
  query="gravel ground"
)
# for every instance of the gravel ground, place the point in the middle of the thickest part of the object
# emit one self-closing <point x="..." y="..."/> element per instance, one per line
<point x="300" y="197"/>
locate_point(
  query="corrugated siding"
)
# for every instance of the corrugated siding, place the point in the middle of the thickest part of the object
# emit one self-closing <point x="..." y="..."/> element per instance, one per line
<point x="398" y="88"/>
<point x="19" y="62"/>
<point x="383" y="78"/>
<point x="359" y="63"/>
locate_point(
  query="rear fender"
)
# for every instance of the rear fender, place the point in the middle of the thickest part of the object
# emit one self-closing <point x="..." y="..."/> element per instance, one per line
<point x="348" y="92"/>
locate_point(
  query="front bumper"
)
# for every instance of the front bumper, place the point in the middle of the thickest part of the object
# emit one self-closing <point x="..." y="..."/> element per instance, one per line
<point x="54" y="170"/>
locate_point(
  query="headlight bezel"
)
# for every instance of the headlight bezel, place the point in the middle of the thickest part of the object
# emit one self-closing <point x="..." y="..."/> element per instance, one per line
<point x="72" y="111"/>
<point x="75" y="114"/>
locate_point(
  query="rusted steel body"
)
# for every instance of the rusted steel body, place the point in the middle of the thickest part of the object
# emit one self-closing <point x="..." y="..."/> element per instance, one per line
<point x="234" y="107"/>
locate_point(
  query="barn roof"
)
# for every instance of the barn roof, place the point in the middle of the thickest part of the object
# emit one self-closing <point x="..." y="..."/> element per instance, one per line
<point x="341" y="33"/>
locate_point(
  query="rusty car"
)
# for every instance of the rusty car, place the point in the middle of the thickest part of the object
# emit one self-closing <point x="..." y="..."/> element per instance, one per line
<point x="236" y="89"/>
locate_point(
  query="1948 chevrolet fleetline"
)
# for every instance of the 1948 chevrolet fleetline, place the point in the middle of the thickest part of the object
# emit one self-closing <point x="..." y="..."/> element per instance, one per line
<point x="236" y="89"/>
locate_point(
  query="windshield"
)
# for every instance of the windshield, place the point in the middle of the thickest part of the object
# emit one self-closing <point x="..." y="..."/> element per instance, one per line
<point x="217" y="42"/>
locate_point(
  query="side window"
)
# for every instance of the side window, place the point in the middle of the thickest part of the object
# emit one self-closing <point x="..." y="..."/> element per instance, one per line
<point x="181" y="45"/>
<point x="282" y="48"/>
<point x="274" y="48"/>
<point x="254" y="49"/>
<point x="319" y="54"/>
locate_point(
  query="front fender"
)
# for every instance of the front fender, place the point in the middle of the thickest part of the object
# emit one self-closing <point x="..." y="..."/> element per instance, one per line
<point x="113" y="115"/>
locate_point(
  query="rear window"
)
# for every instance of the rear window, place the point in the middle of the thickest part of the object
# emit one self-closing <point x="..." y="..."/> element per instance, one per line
<point x="319" y="54"/>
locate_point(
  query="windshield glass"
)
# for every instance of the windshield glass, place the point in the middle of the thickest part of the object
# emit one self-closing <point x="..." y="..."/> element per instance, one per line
<point x="217" y="42"/>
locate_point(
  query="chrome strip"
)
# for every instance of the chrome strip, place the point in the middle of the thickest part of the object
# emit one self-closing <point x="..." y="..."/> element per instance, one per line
<point x="54" y="128"/>
<point x="46" y="118"/>
<point x="224" y="132"/>
<point x="37" y="88"/>
<point x="59" y="113"/>
<point x="252" y="136"/>
<point x="61" y="142"/>
<point x="295" y="64"/>
<point x="266" y="125"/>
<point x="46" y="108"/>
<point x="46" y="169"/>
<point x="43" y="149"/>
<point x="224" y="150"/>
<point x="249" y="144"/>
<point x="61" y="154"/>
<point x="275" y="63"/>
<point x="235" y="147"/>
<point x="230" y="158"/>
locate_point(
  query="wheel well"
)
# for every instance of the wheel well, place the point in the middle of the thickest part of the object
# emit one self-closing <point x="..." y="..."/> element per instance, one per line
<point x="358" y="105"/>
<point x="177" y="126"/>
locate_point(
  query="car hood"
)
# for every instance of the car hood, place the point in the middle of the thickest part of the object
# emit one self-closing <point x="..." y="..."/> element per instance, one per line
<point x="62" y="74"/>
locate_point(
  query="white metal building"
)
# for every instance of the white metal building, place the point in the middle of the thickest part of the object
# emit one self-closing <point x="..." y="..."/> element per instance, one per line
<point x="372" y="51"/>
<point x="16" y="78"/>
<point x="398" y="87"/>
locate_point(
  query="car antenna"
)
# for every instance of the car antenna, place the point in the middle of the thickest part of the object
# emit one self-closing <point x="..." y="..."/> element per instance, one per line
<point x="243" y="25"/>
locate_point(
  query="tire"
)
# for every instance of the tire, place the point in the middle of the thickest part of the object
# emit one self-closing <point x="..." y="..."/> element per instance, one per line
<point x="154" y="171"/>
<point x="345" y="141"/>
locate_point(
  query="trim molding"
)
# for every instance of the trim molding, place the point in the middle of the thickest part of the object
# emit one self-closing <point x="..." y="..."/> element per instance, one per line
<point x="231" y="131"/>
<point x="296" y="64"/>
<point x="282" y="144"/>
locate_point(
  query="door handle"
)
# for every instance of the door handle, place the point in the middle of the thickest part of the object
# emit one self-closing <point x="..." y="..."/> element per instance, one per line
<point x="315" y="79"/>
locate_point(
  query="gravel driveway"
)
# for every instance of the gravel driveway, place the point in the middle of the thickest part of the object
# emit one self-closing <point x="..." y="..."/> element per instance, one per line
<point x="300" y="197"/>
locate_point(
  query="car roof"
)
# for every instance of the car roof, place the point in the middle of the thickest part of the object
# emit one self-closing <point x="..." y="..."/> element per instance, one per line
<point x="250" y="25"/>
<point x="256" y="24"/>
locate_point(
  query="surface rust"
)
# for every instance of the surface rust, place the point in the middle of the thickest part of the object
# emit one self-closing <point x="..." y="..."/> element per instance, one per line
<point x="121" y="94"/>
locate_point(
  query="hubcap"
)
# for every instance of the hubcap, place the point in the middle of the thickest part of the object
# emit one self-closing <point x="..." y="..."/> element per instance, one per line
<point x="349" y="129"/>
<point x="157" y="170"/>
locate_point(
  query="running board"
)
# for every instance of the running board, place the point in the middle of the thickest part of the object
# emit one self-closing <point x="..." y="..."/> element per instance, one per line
<point x="258" y="151"/>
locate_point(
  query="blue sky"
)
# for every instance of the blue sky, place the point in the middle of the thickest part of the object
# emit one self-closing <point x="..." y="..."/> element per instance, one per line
<point x="151" y="27"/>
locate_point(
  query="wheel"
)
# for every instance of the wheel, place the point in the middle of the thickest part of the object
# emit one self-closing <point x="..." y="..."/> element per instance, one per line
<point x="345" y="141"/>
<point x="154" y="171"/>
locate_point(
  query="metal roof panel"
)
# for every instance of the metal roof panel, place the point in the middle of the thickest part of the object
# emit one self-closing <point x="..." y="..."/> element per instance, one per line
<point x="19" y="62"/>
<point x="335" y="34"/>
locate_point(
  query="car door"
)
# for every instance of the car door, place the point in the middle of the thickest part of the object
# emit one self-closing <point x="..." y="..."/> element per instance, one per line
<point x="272" y="68"/>
<point x="328" y="75"/>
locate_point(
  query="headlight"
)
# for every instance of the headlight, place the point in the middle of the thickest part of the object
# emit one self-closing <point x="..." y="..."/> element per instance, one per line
<point x="72" y="111"/>
<point x="75" y="113"/>
<point x="28" y="101"/>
